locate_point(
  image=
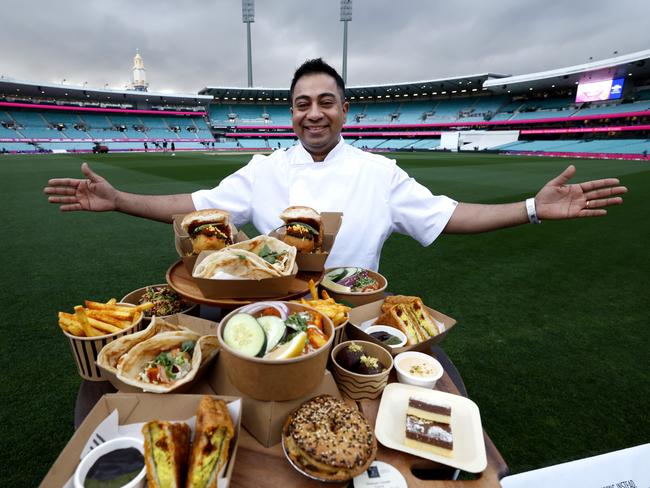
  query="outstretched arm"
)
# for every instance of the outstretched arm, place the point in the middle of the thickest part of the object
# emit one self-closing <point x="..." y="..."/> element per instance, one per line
<point x="96" y="194"/>
<point x="555" y="201"/>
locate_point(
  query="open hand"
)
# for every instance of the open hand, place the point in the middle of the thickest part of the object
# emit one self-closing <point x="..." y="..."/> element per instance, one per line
<point x="560" y="200"/>
<point x="93" y="194"/>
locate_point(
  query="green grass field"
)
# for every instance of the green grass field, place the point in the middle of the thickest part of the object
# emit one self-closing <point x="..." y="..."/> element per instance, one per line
<point x="552" y="335"/>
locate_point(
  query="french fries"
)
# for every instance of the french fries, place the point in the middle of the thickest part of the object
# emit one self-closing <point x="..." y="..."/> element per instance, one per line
<point x="337" y="312"/>
<point x="98" y="319"/>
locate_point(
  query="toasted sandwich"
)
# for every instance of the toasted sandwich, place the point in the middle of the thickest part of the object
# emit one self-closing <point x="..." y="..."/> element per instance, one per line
<point x="409" y="315"/>
<point x="213" y="432"/>
<point x="166" y="446"/>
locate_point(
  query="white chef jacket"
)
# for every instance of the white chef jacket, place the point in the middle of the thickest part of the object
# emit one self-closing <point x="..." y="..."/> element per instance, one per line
<point x="374" y="194"/>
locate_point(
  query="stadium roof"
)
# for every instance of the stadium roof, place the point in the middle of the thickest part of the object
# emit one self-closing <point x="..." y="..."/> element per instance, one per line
<point x="443" y="86"/>
<point x="12" y="87"/>
<point x="628" y="65"/>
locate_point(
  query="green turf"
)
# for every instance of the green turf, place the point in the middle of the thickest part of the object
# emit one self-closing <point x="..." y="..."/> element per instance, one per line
<point x="552" y="336"/>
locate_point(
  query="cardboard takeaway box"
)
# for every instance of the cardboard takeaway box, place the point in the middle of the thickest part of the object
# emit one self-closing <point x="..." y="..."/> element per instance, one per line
<point x="132" y="408"/>
<point x="360" y="318"/>
<point x="264" y="419"/>
<point x="183" y="242"/>
<point x="202" y="326"/>
<point x="316" y="261"/>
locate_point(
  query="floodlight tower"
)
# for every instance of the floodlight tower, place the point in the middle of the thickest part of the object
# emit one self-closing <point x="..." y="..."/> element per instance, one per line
<point x="248" y="17"/>
<point x="346" y="16"/>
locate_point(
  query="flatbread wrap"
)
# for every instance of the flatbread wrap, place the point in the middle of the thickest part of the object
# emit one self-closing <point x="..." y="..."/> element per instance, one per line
<point x="110" y="355"/>
<point x="279" y="255"/>
<point x="166" y="361"/>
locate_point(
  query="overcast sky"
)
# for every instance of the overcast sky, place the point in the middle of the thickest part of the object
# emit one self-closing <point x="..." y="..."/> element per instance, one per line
<point x="190" y="44"/>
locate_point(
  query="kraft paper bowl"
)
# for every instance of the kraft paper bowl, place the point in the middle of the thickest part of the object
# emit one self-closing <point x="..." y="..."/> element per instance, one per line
<point x="362" y="386"/>
<point x="86" y="349"/>
<point x="357" y="298"/>
<point x="135" y="296"/>
<point x="277" y="380"/>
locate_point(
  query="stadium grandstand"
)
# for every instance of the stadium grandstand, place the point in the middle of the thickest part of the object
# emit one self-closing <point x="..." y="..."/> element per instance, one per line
<point x="598" y="109"/>
<point x="43" y="118"/>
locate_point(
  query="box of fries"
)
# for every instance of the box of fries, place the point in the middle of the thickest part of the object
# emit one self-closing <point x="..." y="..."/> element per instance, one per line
<point x="315" y="261"/>
<point x="337" y="312"/>
<point x="93" y="326"/>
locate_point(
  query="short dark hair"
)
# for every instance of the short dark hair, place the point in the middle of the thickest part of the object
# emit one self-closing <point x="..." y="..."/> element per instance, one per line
<point x="316" y="66"/>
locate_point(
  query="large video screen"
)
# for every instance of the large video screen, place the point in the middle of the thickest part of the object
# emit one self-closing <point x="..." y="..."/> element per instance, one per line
<point x="595" y="91"/>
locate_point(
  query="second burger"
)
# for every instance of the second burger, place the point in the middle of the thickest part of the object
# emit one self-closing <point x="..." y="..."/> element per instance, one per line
<point x="303" y="229"/>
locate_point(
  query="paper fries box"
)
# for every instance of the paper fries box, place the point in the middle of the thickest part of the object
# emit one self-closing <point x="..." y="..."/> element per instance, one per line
<point x="268" y="287"/>
<point x="316" y="261"/>
<point x="132" y="408"/>
<point x="202" y="326"/>
<point x="85" y="349"/>
<point x="364" y="316"/>
<point x="264" y="420"/>
<point x="183" y="242"/>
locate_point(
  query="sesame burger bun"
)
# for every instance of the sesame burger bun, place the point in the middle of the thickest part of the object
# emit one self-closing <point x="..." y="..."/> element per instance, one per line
<point x="210" y="215"/>
<point x="304" y="214"/>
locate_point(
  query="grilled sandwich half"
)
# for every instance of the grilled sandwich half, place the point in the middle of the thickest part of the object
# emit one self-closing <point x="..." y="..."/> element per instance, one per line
<point x="213" y="433"/>
<point x="166" y="447"/>
<point x="409" y="315"/>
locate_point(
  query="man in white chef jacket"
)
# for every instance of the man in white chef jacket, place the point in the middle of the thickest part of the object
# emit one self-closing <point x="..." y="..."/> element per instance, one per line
<point x="322" y="171"/>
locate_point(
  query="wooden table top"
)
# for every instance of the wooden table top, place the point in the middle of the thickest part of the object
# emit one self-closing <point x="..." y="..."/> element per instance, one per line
<point x="256" y="465"/>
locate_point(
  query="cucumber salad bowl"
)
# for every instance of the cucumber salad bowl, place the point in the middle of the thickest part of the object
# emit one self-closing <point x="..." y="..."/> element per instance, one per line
<point x="275" y="351"/>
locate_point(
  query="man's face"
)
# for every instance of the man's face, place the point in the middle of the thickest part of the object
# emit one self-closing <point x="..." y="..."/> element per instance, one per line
<point x="318" y="113"/>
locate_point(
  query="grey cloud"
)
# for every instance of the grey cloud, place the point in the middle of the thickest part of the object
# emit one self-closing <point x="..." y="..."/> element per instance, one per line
<point x="189" y="44"/>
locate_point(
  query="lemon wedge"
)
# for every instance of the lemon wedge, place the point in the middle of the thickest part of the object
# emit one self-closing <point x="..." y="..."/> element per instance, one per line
<point x="290" y="349"/>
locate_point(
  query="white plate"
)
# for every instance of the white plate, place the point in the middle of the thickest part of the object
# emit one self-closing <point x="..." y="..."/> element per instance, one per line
<point x="469" y="446"/>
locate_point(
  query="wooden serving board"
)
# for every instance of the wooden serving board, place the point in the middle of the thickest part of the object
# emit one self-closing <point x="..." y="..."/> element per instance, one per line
<point x="259" y="466"/>
<point x="181" y="281"/>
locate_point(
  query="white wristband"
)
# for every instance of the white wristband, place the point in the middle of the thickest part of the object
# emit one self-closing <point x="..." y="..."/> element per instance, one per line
<point x="532" y="213"/>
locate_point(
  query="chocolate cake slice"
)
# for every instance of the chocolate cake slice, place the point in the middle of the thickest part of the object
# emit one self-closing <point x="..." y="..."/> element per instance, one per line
<point x="429" y="435"/>
<point x="426" y="409"/>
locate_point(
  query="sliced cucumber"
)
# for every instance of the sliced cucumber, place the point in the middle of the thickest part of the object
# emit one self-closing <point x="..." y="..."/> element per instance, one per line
<point x="340" y="274"/>
<point x="274" y="328"/>
<point x="245" y="335"/>
<point x="337" y="274"/>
